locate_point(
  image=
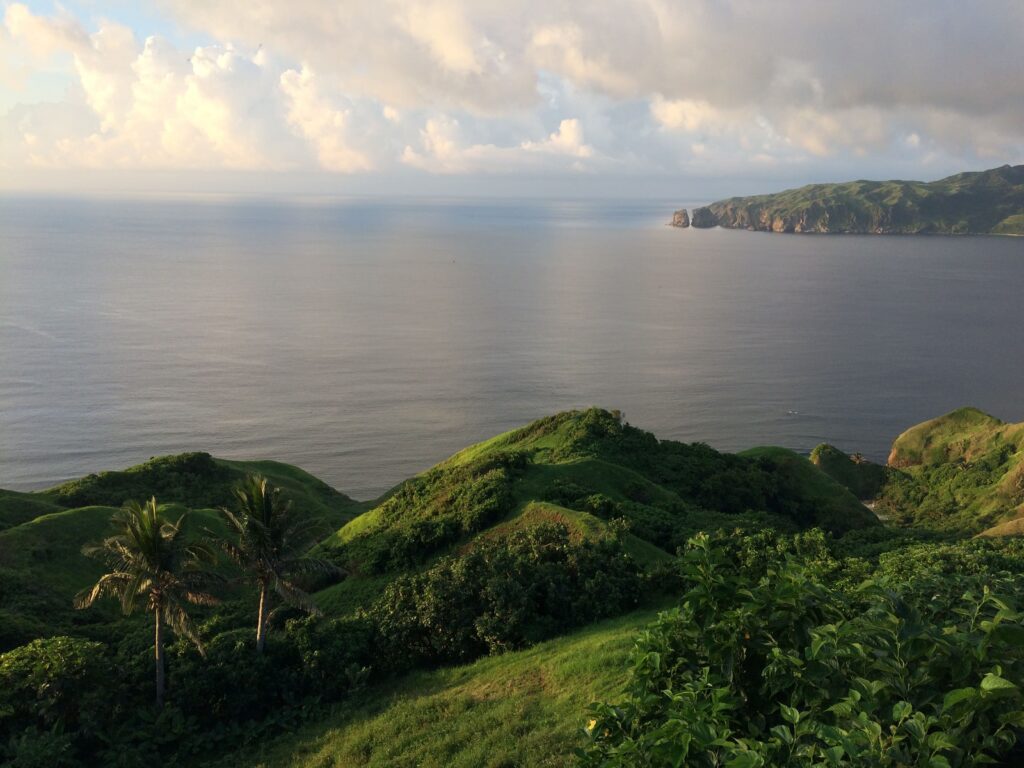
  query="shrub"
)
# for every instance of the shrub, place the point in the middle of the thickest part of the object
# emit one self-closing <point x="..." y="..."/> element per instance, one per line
<point x="50" y="687"/>
<point x="785" y="670"/>
<point x="505" y="594"/>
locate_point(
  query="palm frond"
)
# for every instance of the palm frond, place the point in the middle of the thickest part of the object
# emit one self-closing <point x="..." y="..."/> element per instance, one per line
<point x="296" y="597"/>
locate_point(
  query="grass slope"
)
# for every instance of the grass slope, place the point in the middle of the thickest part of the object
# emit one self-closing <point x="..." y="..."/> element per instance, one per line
<point x="986" y="202"/>
<point x="42" y="533"/>
<point x="962" y="472"/>
<point x="520" y="708"/>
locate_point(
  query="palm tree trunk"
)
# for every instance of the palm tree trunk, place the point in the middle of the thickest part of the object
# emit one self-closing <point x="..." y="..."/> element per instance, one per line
<point x="159" y="660"/>
<point x="261" y="620"/>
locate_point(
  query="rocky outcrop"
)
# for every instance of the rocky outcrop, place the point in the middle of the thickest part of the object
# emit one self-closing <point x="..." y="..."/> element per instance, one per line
<point x="681" y="219"/>
<point x="704" y="218"/>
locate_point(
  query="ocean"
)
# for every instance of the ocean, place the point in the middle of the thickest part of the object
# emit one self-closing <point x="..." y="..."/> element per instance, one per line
<point x="367" y="339"/>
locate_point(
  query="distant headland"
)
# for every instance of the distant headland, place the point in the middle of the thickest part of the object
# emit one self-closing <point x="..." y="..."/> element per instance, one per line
<point x="979" y="203"/>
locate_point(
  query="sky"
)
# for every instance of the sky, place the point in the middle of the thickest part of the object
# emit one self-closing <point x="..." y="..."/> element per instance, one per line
<point x="695" y="99"/>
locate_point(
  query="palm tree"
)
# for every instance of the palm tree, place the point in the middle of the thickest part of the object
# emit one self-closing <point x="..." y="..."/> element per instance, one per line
<point x="149" y="558"/>
<point x="268" y="542"/>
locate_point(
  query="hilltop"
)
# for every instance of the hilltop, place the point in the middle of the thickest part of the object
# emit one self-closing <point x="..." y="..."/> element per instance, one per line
<point x="986" y="202"/>
<point x="963" y="471"/>
<point x="584" y="470"/>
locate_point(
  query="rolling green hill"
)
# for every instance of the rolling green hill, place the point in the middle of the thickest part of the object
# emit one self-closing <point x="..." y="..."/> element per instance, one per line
<point x="580" y="469"/>
<point x="863" y="478"/>
<point x="985" y="202"/>
<point x="583" y="469"/>
<point x="487" y="601"/>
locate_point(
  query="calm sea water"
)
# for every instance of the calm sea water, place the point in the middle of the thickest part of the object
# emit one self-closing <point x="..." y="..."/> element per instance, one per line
<point x="367" y="340"/>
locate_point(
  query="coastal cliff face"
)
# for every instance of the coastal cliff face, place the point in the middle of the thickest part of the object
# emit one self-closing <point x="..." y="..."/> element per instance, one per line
<point x="988" y="202"/>
<point x="681" y="219"/>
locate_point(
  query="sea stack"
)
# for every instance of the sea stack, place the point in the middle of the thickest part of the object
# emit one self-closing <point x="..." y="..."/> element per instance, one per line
<point x="681" y="219"/>
<point x="704" y="218"/>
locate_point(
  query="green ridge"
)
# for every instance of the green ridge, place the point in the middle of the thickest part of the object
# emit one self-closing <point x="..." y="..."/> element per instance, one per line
<point x="985" y="202"/>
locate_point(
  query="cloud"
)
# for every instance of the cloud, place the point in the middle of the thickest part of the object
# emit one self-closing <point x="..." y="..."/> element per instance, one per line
<point x="321" y="123"/>
<point x="500" y="86"/>
<point x="152" y="105"/>
<point x="444" y="150"/>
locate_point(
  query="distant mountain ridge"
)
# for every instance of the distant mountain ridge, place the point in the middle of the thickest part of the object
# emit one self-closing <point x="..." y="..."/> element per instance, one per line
<point x="985" y="202"/>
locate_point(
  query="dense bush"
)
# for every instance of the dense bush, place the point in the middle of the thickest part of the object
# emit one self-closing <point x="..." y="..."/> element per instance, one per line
<point x="504" y="594"/>
<point x="50" y="687"/>
<point x="784" y="669"/>
<point x="974" y="557"/>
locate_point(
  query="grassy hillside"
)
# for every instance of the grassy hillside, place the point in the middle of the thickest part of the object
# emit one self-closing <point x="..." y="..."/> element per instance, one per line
<point x="42" y="533"/>
<point x="521" y="708"/>
<point x="960" y="472"/>
<point x="487" y="601"/>
<point x="813" y="497"/>
<point x="584" y="469"/>
<point x="863" y="478"/>
<point x="987" y="202"/>
<point x="581" y="469"/>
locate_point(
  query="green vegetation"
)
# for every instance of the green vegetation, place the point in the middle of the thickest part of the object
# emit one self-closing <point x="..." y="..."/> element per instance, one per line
<point x="513" y="559"/>
<point x="267" y="540"/>
<point x="521" y="708"/>
<point x="774" y="662"/>
<point x="962" y="472"/>
<point x="987" y="202"/>
<point x="863" y="478"/>
<point x="150" y="559"/>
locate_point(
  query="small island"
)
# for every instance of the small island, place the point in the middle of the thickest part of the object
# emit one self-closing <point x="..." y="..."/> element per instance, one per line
<point x="979" y="203"/>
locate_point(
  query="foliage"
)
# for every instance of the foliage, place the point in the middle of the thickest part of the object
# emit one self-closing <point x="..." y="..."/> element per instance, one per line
<point x="962" y="472"/>
<point x="514" y="709"/>
<point x="150" y="558"/>
<point x="524" y="537"/>
<point x="504" y="594"/>
<point x="784" y="669"/>
<point x="193" y="479"/>
<point x="52" y="682"/>
<point x="267" y="539"/>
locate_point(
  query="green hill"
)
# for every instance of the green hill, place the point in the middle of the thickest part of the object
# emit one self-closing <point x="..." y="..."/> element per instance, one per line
<point x="584" y="469"/>
<point x="863" y="478"/>
<point x="960" y="472"/>
<point x="42" y="533"/>
<point x="985" y="202"/>
<point x="487" y="601"/>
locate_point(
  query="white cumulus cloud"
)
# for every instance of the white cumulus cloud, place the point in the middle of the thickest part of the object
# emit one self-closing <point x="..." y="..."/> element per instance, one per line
<point x="499" y="86"/>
